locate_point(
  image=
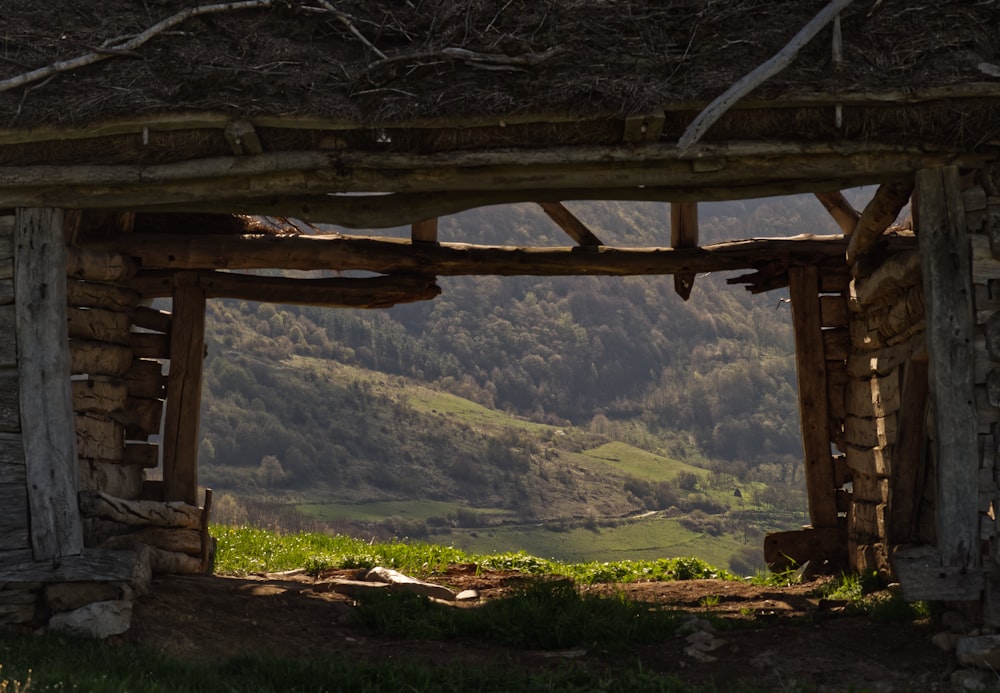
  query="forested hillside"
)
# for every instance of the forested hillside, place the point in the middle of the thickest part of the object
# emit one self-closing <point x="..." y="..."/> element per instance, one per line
<point x="711" y="379"/>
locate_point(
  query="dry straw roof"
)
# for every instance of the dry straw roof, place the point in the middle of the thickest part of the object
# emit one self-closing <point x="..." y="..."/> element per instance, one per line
<point x="397" y="61"/>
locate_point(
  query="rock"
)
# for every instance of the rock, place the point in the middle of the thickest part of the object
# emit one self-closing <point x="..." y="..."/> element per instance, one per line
<point x="973" y="680"/>
<point x="695" y="624"/>
<point x="404" y="583"/>
<point x="696" y="654"/>
<point x="982" y="652"/>
<point x="467" y="596"/>
<point x="946" y="641"/>
<point x="98" y="620"/>
<point x="68" y="596"/>
<point x="706" y="642"/>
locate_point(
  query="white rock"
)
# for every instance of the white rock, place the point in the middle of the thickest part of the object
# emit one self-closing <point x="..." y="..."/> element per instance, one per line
<point x="404" y="583"/>
<point x="467" y="596"/>
<point x="946" y="641"/>
<point x="696" y="654"/>
<point x="706" y="642"/>
<point x="98" y="620"/>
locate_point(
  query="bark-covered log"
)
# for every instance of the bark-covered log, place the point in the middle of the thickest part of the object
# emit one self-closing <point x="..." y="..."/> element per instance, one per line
<point x="140" y="513"/>
<point x="99" y="325"/>
<point x="187" y="541"/>
<point x="99" y="437"/>
<point x="82" y="263"/>
<point x="99" y="395"/>
<point x="99" y="358"/>
<point x="95" y="295"/>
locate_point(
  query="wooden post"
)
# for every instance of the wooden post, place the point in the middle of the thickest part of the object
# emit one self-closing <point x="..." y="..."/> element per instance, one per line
<point x="183" y="408"/>
<point x="908" y="458"/>
<point x="47" y="424"/>
<point x="947" y="276"/>
<point x="810" y="362"/>
<point x="684" y="234"/>
<point x="424" y="231"/>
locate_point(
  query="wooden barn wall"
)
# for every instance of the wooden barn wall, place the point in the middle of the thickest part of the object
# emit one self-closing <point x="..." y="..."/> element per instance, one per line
<point x="15" y="541"/>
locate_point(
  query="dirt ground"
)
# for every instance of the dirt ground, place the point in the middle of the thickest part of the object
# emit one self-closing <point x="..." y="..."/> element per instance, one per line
<point x="786" y="636"/>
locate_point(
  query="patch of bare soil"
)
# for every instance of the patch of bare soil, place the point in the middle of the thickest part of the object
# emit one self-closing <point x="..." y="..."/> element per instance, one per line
<point x="783" y="635"/>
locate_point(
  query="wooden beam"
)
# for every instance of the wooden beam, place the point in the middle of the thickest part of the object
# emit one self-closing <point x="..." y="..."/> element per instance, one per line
<point x="908" y="457"/>
<point x="841" y="210"/>
<point x="810" y="363"/>
<point x="47" y="422"/>
<point x="888" y="201"/>
<point x="180" y="429"/>
<point x="791" y="549"/>
<point x="91" y="565"/>
<point x="569" y="223"/>
<point x="315" y="173"/>
<point x="338" y="292"/>
<point x="947" y="278"/>
<point x="425" y="231"/>
<point x="393" y="255"/>
<point x="684" y="234"/>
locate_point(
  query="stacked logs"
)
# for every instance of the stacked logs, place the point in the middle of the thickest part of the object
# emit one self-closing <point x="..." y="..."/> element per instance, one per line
<point x="117" y="347"/>
<point x="887" y="337"/>
<point x="982" y="219"/>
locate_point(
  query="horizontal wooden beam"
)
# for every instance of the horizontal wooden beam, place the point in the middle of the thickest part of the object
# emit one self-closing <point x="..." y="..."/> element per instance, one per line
<point x="319" y="172"/>
<point x="340" y="292"/>
<point x="393" y="255"/>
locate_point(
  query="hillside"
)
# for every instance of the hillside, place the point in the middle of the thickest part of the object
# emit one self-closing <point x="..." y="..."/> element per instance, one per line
<point x="561" y="400"/>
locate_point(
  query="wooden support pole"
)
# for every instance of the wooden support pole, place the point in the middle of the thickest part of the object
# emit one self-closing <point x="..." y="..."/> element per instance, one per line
<point x="570" y="224"/>
<point x="888" y="201"/>
<point x="684" y="234"/>
<point x="810" y="362"/>
<point x="947" y="276"/>
<point x="841" y="210"/>
<point x="47" y="423"/>
<point x="424" y="231"/>
<point x="908" y="459"/>
<point x="183" y="409"/>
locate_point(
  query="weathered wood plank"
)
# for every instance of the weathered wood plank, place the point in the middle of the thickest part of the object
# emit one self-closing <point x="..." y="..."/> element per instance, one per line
<point x="6" y="292"/>
<point x="10" y="410"/>
<point x="810" y="361"/>
<point x="99" y="358"/>
<point x="99" y="437"/>
<point x="99" y="325"/>
<point x="784" y="550"/>
<point x="120" y="480"/>
<point x="97" y="565"/>
<point x="44" y="368"/>
<point x="909" y="456"/>
<point x="14" y="519"/>
<point x="946" y="266"/>
<point x="833" y="311"/>
<point x="394" y="255"/>
<point x="145" y="379"/>
<point x="183" y="409"/>
<point x="99" y="395"/>
<point x="150" y="345"/>
<point x="140" y="513"/>
<point x="425" y="231"/>
<point x="107" y="296"/>
<point x="151" y="319"/>
<point x="8" y="341"/>
<point x="141" y="454"/>
<point x="143" y="417"/>
<point x="186" y="541"/>
<point x="346" y="292"/>
<point x="6" y="268"/>
<point x="11" y="459"/>
<point x="926" y="575"/>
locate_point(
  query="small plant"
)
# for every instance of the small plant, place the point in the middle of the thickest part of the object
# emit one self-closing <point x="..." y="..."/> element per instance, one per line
<point x="13" y="685"/>
<point x="710" y="601"/>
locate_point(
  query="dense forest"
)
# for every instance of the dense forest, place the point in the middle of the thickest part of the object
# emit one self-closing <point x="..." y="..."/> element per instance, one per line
<point x="570" y="351"/>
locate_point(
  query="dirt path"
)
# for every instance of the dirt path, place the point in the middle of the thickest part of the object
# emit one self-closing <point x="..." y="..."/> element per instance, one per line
<point x="785" y="635"/>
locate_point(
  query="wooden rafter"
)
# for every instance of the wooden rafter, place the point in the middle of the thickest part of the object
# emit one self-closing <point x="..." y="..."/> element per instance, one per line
<point x="841" y="210"/>
<point x="569" y="223"/>
<point x="888" y="201"/>
<point x="425" y="231"/>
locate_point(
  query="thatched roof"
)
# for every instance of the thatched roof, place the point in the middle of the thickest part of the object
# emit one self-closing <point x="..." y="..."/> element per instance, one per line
<point x="566" y="57"/>
<point x="339" y="94"/>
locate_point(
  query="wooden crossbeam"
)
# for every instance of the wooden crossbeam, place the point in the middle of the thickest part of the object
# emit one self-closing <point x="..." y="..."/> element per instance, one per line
<point x="885" y="205"/>
<point x="393" y="255"/>
<point x="425" y="231"/>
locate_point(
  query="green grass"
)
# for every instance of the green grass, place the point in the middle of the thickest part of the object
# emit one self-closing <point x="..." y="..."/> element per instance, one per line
<point x="243" y="550"/>
<point x="63" y="664"/>
<point x="650" y="538"/>
<point x="642" y="464"/>
<point x="375" y="511"/>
